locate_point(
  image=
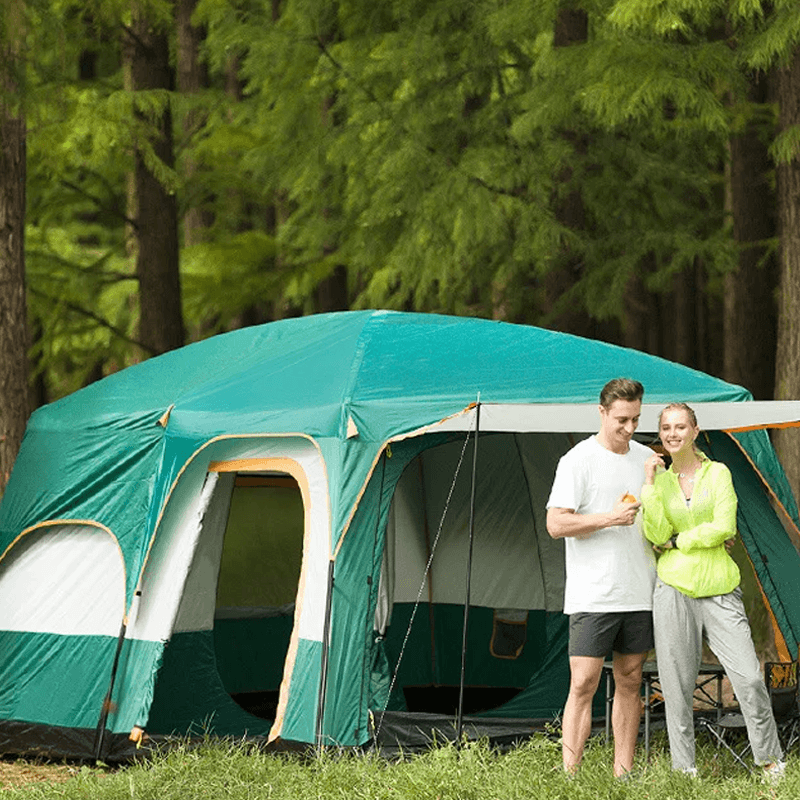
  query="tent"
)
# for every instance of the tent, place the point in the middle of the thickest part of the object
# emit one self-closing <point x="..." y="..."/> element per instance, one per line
<point x="326" y="530"/>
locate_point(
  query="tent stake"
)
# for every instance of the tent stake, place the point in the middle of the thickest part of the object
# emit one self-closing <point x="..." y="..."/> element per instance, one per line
<point x="460" y="718"/>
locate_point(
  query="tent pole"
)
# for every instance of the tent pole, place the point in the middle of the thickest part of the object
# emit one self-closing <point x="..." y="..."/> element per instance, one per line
<point x="326" y="634"/>
<point x="460" y="718"/>
<point x="100" y="734"/>
<point x="426" y="527"/>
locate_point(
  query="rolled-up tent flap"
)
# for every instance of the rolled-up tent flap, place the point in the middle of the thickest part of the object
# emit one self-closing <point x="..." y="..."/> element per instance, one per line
<point x="583" y="417"/>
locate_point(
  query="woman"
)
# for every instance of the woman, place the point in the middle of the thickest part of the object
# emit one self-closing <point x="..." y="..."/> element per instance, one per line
<point x="689" y="511"/>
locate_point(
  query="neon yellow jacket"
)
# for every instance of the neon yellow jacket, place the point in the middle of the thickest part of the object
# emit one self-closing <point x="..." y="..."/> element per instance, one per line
<point x="700" y="566"/>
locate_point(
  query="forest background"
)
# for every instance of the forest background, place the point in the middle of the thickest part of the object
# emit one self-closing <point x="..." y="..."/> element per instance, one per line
<point x="627" y="170"/>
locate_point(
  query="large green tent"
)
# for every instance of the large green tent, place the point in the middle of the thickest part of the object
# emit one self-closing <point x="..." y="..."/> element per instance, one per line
<point x="266" y="533"/>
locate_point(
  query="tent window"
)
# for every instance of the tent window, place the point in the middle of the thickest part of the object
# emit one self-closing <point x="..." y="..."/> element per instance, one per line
<point x="509" y="631"/>
<point x="263" y="549"/>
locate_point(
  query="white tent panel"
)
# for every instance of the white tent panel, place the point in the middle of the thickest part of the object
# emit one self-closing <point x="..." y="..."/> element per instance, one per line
<point x="65" y="579"/>
<point x="196" y="610"/>
<point x="584" y="417"/>
<point x="162" y="583"/>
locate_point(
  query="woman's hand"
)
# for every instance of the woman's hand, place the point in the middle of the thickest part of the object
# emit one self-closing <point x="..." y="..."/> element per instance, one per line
<point x="651" y="466"/>
<point x="668" y="545"/>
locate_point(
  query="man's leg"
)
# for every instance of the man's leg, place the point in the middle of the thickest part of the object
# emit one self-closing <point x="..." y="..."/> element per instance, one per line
<point x="627" y="708"/>
<point x="577" y="721"/>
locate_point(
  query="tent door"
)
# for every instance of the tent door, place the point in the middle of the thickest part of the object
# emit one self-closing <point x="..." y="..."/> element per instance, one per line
<point x="257" y="586"/>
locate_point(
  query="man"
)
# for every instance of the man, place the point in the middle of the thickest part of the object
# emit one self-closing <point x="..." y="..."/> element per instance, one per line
<point x="610" y="571"/>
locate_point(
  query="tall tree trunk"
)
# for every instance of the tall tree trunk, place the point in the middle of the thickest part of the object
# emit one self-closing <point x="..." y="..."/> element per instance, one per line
<point x="750" y="334"/>
<point x="571" y="28"/>
<point x="787" y="369"/>
<point x="192" y="78"/>
<point x="709" y="314"/>
<point x="641" y="324"/>
<point x="160" y="316"/>
<point x="14" y="398"/>
<point x="331" y="293"/>
<point x="682" y="338"/>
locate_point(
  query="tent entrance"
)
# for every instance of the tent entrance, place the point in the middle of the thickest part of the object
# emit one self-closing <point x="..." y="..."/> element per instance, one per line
<point x="256" y="590"/>
<point x="516" y="663"/>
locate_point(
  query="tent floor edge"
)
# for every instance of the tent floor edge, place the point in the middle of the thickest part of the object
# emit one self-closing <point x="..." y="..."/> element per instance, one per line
<point x="52" y="742"/>
<point x="36" y="740"/>
<point x="419" y="731"/>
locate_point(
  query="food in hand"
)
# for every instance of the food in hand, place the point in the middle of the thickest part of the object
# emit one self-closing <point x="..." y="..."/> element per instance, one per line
<point x="629" y="498"/>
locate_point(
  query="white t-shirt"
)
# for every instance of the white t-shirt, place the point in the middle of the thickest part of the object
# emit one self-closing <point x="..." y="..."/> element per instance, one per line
<point x="613" y="569"/>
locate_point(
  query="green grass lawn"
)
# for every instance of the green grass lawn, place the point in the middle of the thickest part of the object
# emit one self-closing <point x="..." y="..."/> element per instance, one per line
<point x="475" y="772"/>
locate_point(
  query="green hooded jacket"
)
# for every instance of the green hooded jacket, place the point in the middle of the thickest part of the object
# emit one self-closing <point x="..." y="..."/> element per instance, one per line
<point x="699" y="565"/>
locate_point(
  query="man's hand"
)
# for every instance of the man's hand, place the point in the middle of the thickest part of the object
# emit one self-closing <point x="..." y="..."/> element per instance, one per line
<point x="565" y="522"/>
<point x="625" y="511"/>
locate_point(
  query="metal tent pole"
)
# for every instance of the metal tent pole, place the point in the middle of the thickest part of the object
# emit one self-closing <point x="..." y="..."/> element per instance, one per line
<point x="323" y="679"/>
<point x="460" y="717"/>
<point x="100" y="732"/>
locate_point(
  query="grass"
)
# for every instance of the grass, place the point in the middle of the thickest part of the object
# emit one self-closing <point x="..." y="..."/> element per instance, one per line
<point x="475" y="772"/>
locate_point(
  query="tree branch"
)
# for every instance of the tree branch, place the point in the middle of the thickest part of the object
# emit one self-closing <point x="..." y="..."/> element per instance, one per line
<point x="103" y="323"/>
<point x="98" y="202"/>
<point x="519" y="192"/>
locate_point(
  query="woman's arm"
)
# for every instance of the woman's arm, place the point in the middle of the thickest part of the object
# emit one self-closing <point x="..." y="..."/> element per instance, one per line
<point x="655" y="525"/>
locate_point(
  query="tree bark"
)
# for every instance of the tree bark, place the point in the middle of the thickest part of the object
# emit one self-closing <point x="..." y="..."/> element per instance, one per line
<point x="160" y="316"/>
<point x="787" y="369"/>
<point x="750" y="332"/>
<point x="641" y="324"/>
<point x="14" y="397"/>
<point x="571" y="28"/>
<point x="683" y="337"/>
<point x="192" y="78"/>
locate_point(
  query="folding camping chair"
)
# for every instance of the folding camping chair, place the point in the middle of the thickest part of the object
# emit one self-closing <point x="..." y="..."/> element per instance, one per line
<point x="781" y="680"/>
<point x="729" y="730"/>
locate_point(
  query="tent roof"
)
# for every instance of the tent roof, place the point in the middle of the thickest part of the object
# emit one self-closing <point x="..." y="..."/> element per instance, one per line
<point x="391" y="372"/>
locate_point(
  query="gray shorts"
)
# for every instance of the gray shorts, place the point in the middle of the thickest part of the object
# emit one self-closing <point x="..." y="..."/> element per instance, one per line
<point x="598" y="635"/>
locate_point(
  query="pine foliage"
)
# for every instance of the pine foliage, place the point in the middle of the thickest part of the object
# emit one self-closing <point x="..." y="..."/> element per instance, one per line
<point x="426" y="148"/>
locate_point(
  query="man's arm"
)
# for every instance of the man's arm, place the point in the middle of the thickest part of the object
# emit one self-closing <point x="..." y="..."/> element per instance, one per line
<point x="565" y="522"/>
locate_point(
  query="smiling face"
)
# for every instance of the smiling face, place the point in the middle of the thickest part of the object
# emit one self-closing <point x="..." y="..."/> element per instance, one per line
<point x="618" y="423"/>
<point x="677" y="431"/>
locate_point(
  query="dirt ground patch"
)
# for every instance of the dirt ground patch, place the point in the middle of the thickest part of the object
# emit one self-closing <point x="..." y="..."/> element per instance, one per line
<point x="18" y="773"/>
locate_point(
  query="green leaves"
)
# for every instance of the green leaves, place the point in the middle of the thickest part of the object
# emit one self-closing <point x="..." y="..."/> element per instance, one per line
<point x="429" y="148"/>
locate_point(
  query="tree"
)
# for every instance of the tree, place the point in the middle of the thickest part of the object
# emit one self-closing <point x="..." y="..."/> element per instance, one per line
<point x="192" y="78"/>
<point x="147" y="54"/>
<point x="571" y="29"/>
<point x="14" y="400"/>
<point x="787" y="375"/>
<point x="437" y="156"/>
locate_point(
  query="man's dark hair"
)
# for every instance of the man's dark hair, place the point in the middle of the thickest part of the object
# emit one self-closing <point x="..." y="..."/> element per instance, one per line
<point x="621" y="389"/>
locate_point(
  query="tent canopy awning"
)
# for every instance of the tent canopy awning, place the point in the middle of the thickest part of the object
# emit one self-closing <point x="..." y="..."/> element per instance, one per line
<point x="584" y="417"/>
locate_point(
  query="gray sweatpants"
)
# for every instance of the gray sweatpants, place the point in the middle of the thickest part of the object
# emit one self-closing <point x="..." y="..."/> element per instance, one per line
<point x="679" y="623"/>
